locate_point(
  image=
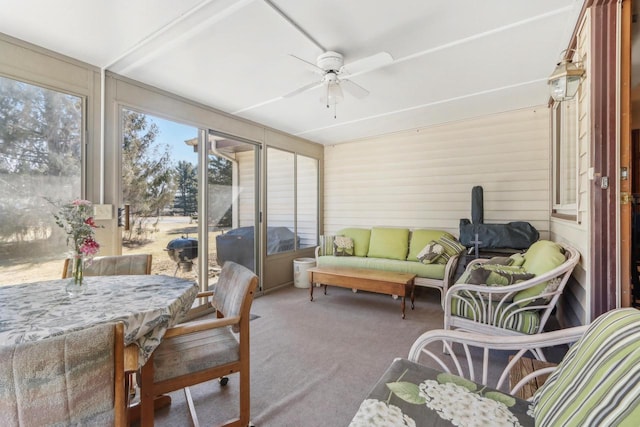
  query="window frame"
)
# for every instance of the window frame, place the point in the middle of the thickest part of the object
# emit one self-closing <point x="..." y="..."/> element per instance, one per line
<point x="564" y="154"/>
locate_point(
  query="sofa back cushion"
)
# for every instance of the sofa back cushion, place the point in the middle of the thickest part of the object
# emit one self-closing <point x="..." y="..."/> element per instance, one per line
<point x="420" y="238"/>
<point x="597" y="382"/>
<point x="390" y="243"/>
<point x="360" y="238"/>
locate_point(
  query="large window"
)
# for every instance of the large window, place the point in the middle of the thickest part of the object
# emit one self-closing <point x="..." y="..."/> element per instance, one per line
<point x="565" y="145"/>
<point x="40" y="167"/>
<point x="292" y="201"/>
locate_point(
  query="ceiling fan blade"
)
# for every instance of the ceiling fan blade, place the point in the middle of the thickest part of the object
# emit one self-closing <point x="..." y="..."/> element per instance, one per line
<point x="304" y="88"/>
<point x="368" y="63"/>
<point x="309" y="65"/>
<point x="354" y="89"/>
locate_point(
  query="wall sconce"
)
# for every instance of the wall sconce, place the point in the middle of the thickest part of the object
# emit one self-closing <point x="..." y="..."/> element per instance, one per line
<point x="565" y="79"/>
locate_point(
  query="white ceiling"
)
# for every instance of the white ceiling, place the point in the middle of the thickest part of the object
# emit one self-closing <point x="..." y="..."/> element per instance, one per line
<point x="452" y="59"/>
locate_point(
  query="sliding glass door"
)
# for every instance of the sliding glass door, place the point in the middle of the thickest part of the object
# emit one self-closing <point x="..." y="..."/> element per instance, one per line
<point x="191" y="211"/>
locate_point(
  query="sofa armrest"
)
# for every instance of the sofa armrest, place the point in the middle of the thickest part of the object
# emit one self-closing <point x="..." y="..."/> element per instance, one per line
<point x="450" y="272"/>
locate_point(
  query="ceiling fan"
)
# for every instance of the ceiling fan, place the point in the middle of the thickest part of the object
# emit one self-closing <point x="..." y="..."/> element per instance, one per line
<point x="333" y="71"/>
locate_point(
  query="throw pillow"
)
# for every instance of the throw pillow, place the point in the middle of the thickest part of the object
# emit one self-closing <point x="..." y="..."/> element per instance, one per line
<point x="326" y="245"/>
<point x="518" y="259"/>
<point x="451" y="247"/>
<point x="498" y="275"/>
<point x="501" y="260"/>
<point x="431" y="253"/>
<point x="343" y="246"/>
<point x="420" y="238"/>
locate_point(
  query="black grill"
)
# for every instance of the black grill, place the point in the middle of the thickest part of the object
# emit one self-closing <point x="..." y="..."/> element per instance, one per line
<point x="183" y="251"/>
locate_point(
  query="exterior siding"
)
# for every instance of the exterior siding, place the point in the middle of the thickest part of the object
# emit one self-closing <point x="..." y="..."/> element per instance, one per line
<point x="423" y="178"/>
<point x="246" y="186"/>
<point x="574" y="304"/>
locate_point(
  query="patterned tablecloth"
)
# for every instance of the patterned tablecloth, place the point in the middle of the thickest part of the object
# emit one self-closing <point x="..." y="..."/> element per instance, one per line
<point x="146" y="304"/>
<point x="413" y="395"/>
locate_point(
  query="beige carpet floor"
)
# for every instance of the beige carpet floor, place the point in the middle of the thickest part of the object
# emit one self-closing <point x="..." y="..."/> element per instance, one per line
<point x="312" y="363"/>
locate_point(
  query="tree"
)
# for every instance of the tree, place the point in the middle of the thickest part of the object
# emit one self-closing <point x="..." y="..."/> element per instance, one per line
<point x="40" y="159"/>
<point x="186" y="179"/>
<point x="146" y="173"/>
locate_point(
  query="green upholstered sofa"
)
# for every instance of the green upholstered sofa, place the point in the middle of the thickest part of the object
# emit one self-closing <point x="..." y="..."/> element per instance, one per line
<point x="395" y="249"/>
<point x="511" y="299"/>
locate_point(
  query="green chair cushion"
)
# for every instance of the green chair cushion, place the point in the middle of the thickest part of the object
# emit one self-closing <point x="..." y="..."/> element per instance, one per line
<point x="598" y="381"/>
<point x="391" y="243"/>
<point x="360" y="238"/>
<point x="506" y="316"/>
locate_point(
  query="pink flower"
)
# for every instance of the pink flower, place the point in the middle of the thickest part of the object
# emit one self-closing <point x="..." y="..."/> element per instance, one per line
<point x="89" y="247"/>
<point x="89" y="221"/>
<point x="81" y="202"/>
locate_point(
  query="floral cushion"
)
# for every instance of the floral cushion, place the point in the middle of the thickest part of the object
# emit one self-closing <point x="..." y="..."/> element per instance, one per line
<point x="343" y="246"/>
<point x="431" y="253"/>
<point x="409" y="394"/>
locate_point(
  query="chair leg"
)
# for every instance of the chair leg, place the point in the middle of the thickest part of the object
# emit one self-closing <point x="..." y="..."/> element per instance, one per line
<point x="245" y="396"/>
<point x="192" y="407"/>
<point x="146" y="394"/>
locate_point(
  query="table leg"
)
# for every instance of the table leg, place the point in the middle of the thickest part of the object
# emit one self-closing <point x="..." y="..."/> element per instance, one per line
<point x="311" y="288"/>
<point x="402" y="306"/>
<point x="413" y="287"/>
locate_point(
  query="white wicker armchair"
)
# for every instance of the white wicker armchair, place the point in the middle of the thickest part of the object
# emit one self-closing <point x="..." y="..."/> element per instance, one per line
<point x="510" y="310"/>
<point x="596" y="383"/>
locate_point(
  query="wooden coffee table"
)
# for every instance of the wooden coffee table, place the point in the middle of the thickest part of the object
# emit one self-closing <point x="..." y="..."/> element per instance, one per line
<point x="380" y="281"/>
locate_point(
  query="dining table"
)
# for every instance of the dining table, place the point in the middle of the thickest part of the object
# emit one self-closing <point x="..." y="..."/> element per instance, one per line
<point x="147" y="305"/>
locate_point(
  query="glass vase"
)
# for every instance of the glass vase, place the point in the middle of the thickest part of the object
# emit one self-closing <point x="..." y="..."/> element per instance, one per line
<point x="76" y="285"/>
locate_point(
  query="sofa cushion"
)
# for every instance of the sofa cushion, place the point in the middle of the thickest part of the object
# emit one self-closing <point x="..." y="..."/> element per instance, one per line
<point x="343" y="246"/>
<point x="360" y="238"/>
<point x="541" y="257"/>
<point x="431" y="253"/>
<point x="597" y="381"/>
<point x="428" y="271"/>
<point x="420" y="238"/>
<point x="391" y="243"/>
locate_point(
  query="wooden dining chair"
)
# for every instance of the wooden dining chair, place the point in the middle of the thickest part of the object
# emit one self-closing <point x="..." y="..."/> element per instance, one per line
<point x="77" y="378"/>
<point x="205" y="349"/>
<point x="115" y="265"/>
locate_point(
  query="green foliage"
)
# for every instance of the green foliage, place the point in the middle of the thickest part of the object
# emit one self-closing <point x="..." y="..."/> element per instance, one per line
<point x="40" y="130"/>
<point x="444" y="378"/>
<point x="40" y="156"/>
<point x="147" y="175"/>
<point x="407" y="391"/>
<point x="186" y="179"/>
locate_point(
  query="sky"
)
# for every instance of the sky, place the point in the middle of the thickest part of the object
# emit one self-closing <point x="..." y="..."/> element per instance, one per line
<point x="174" y="134"/>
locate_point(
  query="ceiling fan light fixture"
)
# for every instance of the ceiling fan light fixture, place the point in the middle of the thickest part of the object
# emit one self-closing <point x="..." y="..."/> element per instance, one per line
<point x="334" y="94"/>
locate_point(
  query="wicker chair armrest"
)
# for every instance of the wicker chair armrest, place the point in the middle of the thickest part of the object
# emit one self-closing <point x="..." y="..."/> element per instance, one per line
<point x="438" y="346"/>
